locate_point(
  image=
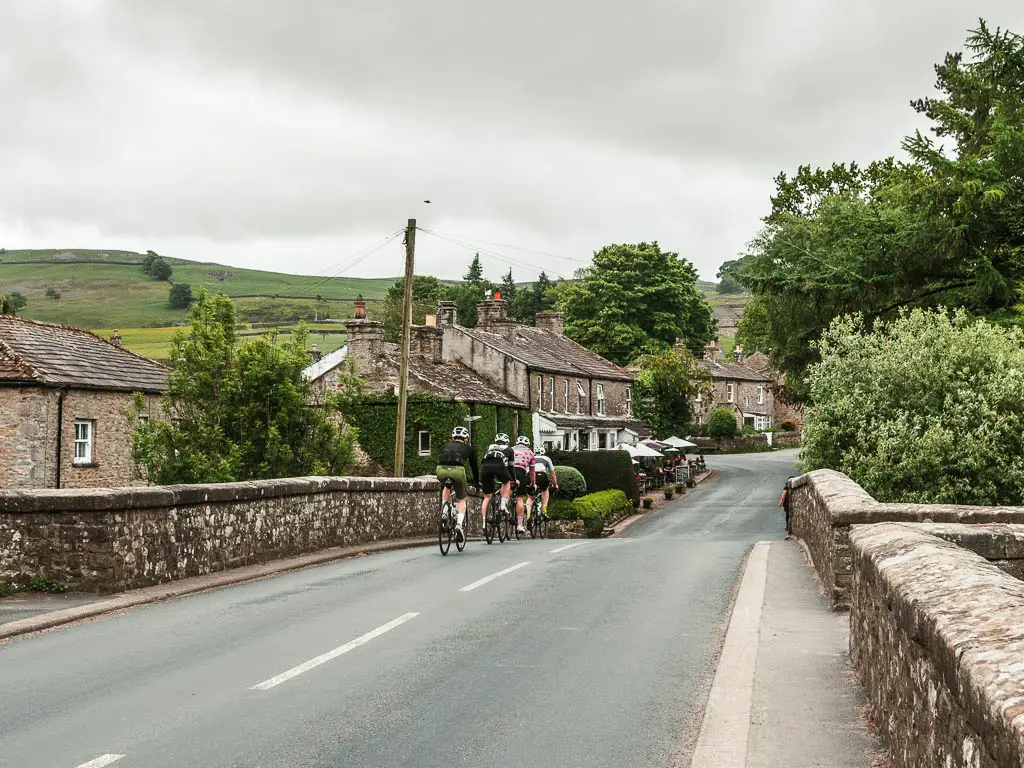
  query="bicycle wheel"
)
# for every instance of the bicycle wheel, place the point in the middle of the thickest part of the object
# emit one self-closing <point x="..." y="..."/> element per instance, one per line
<point x="444" y="530"/>
<point x="489" y="524"/>
<point x="542" y="524"/>
<point x="531" y="526"/>
<point x="503" y="528"/>
<point x="515" y="527"/>
<point x="460" y="541"/>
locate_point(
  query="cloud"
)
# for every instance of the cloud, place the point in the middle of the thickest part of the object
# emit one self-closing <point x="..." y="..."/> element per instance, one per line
<point x="290" y="135"/>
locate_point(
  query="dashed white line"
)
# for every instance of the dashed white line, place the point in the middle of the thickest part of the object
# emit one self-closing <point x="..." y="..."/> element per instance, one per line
<point x="556" y="550"/>
<point x="493" y="576"/>
<point x="266" y="685"/>
<point x="101" y="761"/>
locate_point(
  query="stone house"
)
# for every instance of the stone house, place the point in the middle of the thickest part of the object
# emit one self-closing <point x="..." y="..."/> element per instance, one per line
<point x="65" y="396"/>
<point x="747" y="393"/>
<point x="783" y="407"/>
<point x="578" y="399"/>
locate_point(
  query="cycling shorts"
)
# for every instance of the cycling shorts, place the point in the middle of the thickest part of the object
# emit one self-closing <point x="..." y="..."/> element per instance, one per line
<point x="522" y="481"/>
<point x="543" y="482"/>
<point x="493" y="474"/>
<point x="458" y="477"/>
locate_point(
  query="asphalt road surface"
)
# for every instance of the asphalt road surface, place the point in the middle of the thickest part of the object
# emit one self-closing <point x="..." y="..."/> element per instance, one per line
<point x="532" y="653"/>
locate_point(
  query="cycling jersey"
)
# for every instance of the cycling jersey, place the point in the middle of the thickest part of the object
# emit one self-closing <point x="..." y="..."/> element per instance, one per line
<point x="456" y="454"/>
<point x="542" y="465"/>
<point x="498" y="452"/>
<point x="523" y="457"/>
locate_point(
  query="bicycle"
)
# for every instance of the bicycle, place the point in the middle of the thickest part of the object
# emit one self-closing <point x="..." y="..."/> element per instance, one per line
<point x="491" y="523"/>
<point x="537" y="520"/>
<point x="446" y="525"/>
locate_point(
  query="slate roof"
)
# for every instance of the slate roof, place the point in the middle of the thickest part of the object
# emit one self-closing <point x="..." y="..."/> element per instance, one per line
<point x="720" y="370"/>
<point x="448" y="380"/>
<point x="551" y="353"/>
<point x="58" y="355"/>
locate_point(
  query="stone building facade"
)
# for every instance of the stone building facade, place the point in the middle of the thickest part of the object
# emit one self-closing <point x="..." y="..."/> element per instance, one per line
<point x="579" y="400"/>
<point x="65" y="398"/>
<point x="783" y="406"/>
<point x="749" y="394"/>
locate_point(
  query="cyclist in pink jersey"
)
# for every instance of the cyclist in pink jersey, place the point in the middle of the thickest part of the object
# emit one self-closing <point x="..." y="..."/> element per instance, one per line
<point x="525" y="477"/>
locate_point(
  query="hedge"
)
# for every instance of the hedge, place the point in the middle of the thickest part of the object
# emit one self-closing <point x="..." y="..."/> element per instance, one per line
<point x="603" y="471"/>
<point x="571" y="484"/>
<point x="593" y="508"/>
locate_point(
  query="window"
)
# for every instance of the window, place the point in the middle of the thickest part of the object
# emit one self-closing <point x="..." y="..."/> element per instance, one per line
<point x="584" y="440"/>
<point x="760" y="394"/>
<point x="424" y="438"/>
<point x="551" y="393"/>
<point x="579" y="397"/>
<point x="629" y="401"/>
<point x="600" y="399"/>
<point x="698" y="398"/>
<point x="540" y="394"/>
<point x="761" y="423"/>
<point x="730" y="390"/>
<point x="602" y="440"/>
<point x="565" y="396"/>
<point x="83" y="442"/>
<point x="565" y="442"/>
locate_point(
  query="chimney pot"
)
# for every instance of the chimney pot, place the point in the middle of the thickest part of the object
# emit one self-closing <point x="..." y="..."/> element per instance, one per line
<point x="365" y="341"/>
<point x="315" y="354"/>
<point x="447" y="314"/>
<point x="360" y="309"/>
<point x="491" y="313"/>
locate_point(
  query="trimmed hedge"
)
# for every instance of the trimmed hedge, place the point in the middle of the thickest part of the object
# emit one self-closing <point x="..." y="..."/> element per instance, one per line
<point x="571" y="484"/>
<point x="561" y="509"/>
<point x="603" y="471"/>
<point x="593" y="508"/>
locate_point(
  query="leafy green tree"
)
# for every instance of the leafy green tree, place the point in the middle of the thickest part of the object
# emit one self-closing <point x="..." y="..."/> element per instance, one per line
<point x="157" y="268"/>
<point x="238" y="412"/>
<point x="722" y="424"/>
<point x="12" y="303"/>
<point x="943" y="229"/>
<point x="508" y="287"/>
<point x="634" y="298"/>
<point x="664" y="387"/>
<point x="180" y="296"/>
<point x="928" y="407"/>
<point x="726" y="282"/>
<point x="427" y="290"/>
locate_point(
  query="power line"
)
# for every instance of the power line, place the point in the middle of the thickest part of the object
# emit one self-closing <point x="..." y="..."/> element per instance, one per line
<point x="503" y="258"/>
<point x="346" y="265"/>
<point x="514" y="247"/>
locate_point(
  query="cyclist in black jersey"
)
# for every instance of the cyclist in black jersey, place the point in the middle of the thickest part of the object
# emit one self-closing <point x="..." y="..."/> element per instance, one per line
<point x="495" y="470"/>
<point x="451" y="461"/>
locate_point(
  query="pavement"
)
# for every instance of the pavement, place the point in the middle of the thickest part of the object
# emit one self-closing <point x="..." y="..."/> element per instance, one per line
<point x="542" y="653"/>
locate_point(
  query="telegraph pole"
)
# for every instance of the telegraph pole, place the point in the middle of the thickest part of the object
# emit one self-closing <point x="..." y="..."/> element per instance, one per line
<point x="403" y="373"/>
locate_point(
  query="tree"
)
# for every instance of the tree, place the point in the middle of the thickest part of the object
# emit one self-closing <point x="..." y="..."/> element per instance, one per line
<point x="722" y="424"/>
<point x="157" y="267"/>
<point x="927" y="407"/>
<point x="664" y="387"/>
<point x="238" y="412"/>
<point x="727" y="283"/>
<point x="475" y="273"/>
<point x="12" y="303"/>
<point x="635" y="298"/>
<point x="427" y="290"/>
<point x="180" y="296"/>
<point x="943" y="229"/>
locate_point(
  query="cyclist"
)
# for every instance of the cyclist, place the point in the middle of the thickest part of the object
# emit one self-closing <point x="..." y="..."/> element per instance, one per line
<point x="494" y="471"/>
<point x="525" y="476"/>
<point x="451" y="465"/>
<point x="546" y="478"/>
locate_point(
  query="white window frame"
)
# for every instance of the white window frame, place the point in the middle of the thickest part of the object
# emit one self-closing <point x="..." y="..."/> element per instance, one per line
<point x="760" y="394"/>
<point x="730" y="392"/>
<point x="629" y="401"/>
<point x="580" y="394"/>
<point x="419" y="442"/>
<point x="565" y="396"/>
<point x="600" y="399"/>
<point x="85" y="435"/>
<point x="540" y="393"/>
<point x="551" y="393"/>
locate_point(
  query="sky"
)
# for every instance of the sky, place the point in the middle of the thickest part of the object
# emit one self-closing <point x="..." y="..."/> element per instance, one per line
<point x="297" y="136"/>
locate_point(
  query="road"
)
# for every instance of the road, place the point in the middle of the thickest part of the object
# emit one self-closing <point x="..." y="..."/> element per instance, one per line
<point x="595" y="654"/>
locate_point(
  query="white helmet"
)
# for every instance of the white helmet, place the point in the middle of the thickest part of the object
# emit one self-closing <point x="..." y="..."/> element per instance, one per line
<point x="540" y="451"/>
<point x="501" y="438"/>
<point x="523" y="440"/>
<point x="460" y="433"/>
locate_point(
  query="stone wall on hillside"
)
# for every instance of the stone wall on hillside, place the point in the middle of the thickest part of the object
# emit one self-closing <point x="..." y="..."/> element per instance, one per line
<point x="936" y="637"/>
<point x="824" y="504"/>
<point x="108" y="540"/>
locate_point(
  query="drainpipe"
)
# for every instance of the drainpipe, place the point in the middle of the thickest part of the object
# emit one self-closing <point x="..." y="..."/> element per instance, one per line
<point x="60" y="431"/>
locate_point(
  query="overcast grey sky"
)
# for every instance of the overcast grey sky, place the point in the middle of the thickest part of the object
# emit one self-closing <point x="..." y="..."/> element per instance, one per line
<point x="290" y="135"/>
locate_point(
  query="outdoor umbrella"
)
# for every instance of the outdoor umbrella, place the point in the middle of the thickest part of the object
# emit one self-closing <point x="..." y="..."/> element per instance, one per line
<point x="645" y="450"/>
<point x="678" y="442"/>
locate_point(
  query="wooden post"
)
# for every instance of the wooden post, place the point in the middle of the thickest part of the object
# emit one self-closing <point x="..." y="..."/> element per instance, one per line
<point x="403" y="374"/>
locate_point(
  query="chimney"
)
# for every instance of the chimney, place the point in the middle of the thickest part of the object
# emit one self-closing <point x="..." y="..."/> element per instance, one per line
<point x="315" y="354"/>
<point x="365" y="341"/>
<point x="738" y="353"/>
<point x="116" y="338"/>
<point x="427" y="342"/>
<point x="491" y="312"/>
<point x="552" y="322"/>
<point x="447" y="314"/>
<point x="711" y="350"/>
<point x="360" y="310"/>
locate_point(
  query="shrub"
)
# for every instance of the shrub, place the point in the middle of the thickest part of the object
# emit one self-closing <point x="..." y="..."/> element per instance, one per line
<point x="748" y="430"/>
<point x="594" y="508"/>
<point x="669" y="493"/>
<point x="571" y="484"/>
<point x="722" y="424"/>
<point x="180" y="296"/>
<point x="561" y="509"/>
<point x="787" y="426"/>
<point x="927" y="408"/>
<point x="648" y="502"/>
<point x="602" y="470"/>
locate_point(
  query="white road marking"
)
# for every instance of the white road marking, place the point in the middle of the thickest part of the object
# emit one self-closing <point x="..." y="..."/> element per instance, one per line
<point x="266" y="685"/>
<point x="101" y="761"/>
<point x="493" y="576"/>
<point x="556" y="550"/>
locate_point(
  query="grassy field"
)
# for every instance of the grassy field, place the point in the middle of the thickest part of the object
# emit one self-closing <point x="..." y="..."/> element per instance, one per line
<point x="155" y="343"/>
<point x="95" y="292"/>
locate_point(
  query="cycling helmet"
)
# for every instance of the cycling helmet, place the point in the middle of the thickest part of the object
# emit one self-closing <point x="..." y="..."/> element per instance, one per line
<point x="460" y="433"/>
<point x="502" y="438"/>
<point x="540" y="451"/>
<point x="523" y="440"/>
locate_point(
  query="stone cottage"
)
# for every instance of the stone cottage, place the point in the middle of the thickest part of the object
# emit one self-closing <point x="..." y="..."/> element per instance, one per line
<point x="65" y="395"/>
<point x="783" y="407"/>
<point x="747" y="393"/>
<point x="578" y="399"/>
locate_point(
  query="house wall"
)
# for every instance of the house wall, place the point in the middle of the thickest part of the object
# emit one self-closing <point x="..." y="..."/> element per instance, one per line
<point x="745" y="398"/>
<point x="491" y="365"/>
<point x="28" y="438"/>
